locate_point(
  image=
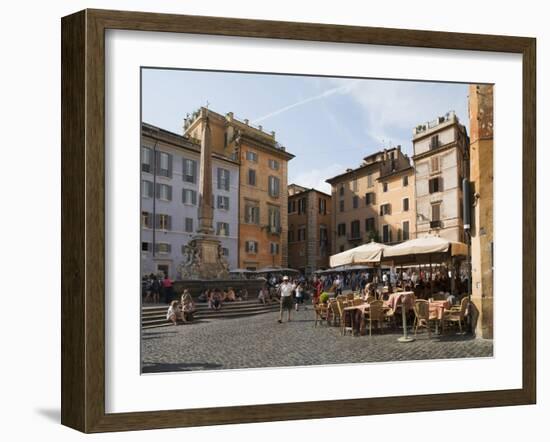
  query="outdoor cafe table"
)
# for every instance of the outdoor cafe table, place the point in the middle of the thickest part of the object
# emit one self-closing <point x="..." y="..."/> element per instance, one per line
<point x="363" y="308"/>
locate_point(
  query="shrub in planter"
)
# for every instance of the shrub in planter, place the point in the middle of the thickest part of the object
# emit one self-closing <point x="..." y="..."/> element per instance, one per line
<point x="323" y="298"/>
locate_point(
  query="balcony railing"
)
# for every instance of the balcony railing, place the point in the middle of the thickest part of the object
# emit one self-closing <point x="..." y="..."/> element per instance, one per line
<point x="435" y="224"/>
<point x="275" y="230"/>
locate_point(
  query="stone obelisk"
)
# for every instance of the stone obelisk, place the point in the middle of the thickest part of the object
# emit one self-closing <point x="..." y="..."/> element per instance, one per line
<point x="203" y="256"/>
<point x="206" y="208"/>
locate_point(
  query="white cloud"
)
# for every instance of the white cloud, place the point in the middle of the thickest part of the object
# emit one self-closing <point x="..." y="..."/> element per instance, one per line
<point x="393" y="108"/>
<point x="315" y="178"/>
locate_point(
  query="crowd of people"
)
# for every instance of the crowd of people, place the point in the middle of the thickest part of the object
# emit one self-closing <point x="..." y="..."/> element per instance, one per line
<point x="292" y="294"/>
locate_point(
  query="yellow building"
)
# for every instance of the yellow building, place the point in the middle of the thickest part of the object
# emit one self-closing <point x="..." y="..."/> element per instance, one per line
<point x="375" y="201"/>
<point x="481" y="178"/>
<point x="263" y="217"/>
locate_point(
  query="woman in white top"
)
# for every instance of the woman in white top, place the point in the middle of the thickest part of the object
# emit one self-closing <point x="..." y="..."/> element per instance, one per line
<point x="299" y="295"/>
<point x="174" y="312"/>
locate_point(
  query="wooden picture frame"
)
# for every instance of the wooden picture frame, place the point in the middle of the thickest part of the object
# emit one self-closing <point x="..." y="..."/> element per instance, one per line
<point x="83" y="220"/>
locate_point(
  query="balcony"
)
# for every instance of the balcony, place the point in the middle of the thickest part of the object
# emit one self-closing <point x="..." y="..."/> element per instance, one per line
<point x="436" y="224"/>
<point x="274" y="230"/>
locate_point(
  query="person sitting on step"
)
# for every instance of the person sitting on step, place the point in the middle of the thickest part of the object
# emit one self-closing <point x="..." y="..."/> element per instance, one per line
<point x="187" y="306"/>
<point x="175" y="313"/>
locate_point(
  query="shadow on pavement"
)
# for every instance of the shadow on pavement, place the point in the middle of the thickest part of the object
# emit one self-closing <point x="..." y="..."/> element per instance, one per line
<point x="168" y="368"/>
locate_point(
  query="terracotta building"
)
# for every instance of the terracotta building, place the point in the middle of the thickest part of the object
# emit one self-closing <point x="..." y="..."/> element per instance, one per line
<point x="309" y="227"/>
<point x="440" y="161"/>
<point x="375" y="201"/>
<point x="263" y="218"/>
<point x="481" y="178"/>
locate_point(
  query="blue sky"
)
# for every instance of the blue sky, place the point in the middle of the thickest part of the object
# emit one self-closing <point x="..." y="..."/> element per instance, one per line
<point x="330" y="124"/>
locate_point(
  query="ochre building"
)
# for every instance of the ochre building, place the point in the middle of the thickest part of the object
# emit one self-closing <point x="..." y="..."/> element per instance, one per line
<point x="309" y="227"/>
<point x="481" y="178"/>
<point x="375" y="201"/>
<point x="263" y="162"/>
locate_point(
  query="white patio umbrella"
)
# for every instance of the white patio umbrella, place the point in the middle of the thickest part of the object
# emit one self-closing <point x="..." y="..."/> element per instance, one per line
<point x="369" y="253"/>
<point x="427" y="245"/>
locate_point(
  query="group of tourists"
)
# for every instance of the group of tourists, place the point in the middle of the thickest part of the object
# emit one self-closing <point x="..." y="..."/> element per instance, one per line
<point x="217" y="297"/>
<point x="157" y="289"/>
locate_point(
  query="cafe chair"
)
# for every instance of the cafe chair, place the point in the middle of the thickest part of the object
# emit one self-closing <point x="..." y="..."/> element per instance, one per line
<point x="456" y="314"/>
<point x="345" y="318"/>
<point x="321" y="314"/>
<point x="375" y="313"/>
<point x="422" y="316"/>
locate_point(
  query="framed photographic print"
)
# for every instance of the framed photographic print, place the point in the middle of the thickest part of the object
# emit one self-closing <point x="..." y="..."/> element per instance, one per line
<point x="266" y="221"/>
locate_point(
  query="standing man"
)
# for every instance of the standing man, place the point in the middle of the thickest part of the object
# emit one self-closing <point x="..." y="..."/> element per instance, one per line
<point x="285" y="292"/>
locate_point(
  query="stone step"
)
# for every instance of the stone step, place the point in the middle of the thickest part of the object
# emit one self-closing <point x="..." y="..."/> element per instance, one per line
<point x="199" y="305"/>
<point x="225" y="308"/>
<point x="162" y="321"/>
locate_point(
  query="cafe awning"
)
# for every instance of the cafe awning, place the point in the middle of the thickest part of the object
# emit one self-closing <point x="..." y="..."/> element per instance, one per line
<point x="424" y="248"/>
<point x="369" y="253"/>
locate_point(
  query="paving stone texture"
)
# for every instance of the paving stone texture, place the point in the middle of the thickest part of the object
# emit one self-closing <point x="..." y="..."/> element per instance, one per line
<point x="260" y="341"/>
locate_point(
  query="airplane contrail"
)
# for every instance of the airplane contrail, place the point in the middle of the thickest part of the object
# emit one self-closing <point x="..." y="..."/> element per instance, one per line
<point x="323" y="94"/>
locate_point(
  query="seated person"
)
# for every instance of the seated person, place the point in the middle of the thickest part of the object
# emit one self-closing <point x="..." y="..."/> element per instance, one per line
<point x="216" y="300"/>
<point x="263" y="295"/>
<point x="230" y="296"/>
<point x="187" y="307"/>
<point x="451" y="299"/>
<point x="243" y="295"/>
<point x="175" y="313"/>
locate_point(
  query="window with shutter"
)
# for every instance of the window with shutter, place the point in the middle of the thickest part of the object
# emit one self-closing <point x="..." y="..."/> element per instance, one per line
<point x="355" y="202"/>
<point x="386" y="233"/>
<point x="406" y="205"/>
<point x="369" y="225"/>
<point x="146" y="159"/>
<point x="436" y="212"/>
<point x="189" y="171"/>
<point x="164" y="164"/>
<point x="251" y="177"/>
<point x="405" y="230"/>
<point x="435" y="164"/>
<point x="273" y="186"/>
<point x="223" y="179"/>
<point x="189" y="225"/>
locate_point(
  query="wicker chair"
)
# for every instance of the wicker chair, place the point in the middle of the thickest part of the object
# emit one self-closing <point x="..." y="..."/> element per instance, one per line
<point x="370" y="299"/>
<point x="456" y="314"/>
<point x="422" y="316"/>
<point x="345" y="319"/>
<point x="321" y="313"/>
<point x="375" y="313"/>
<point x="333" y="312"/>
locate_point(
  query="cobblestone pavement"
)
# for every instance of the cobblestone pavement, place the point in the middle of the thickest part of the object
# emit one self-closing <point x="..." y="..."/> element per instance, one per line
<point x="260" y="341"/>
